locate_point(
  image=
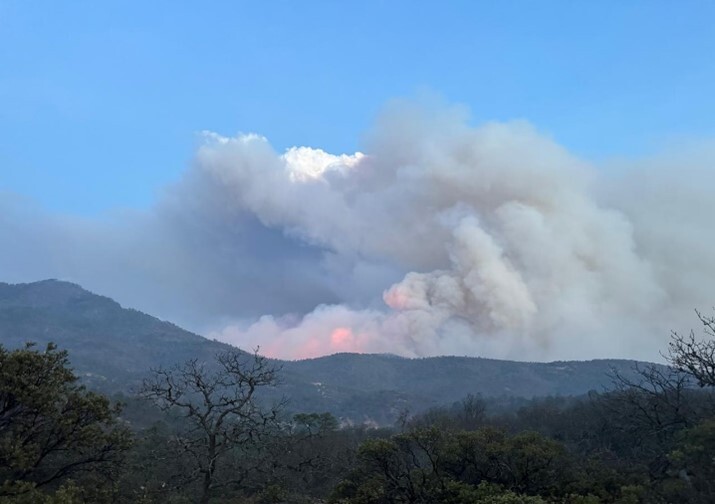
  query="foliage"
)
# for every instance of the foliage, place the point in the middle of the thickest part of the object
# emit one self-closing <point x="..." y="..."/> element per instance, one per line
<point x="51" y="428"/>
<point x="649" y="438"/>
<point x="432" y="465"/>
<point x="694" y="458"/>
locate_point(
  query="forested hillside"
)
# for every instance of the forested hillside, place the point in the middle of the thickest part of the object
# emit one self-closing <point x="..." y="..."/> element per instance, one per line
<point x="211" y="434"/>
<point x="113" y="348"/>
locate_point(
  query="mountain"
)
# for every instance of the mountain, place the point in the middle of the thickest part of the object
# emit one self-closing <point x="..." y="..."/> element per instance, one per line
<point x="113" y="348"/>
<point x="110" y="346"/>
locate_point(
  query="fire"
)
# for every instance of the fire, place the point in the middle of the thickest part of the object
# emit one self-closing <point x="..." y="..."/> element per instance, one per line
<point x="342" y="338"/>
<point x="332" y="329"/>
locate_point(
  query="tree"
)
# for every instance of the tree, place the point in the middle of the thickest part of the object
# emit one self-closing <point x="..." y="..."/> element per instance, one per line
<point x="404" y="468"/>
<point x="51" y="428"/>
<point x="646" y="411"/>
<point x="694" y="456"/>
<point x="472" y="412"/>
<point x="222" y="414"/>
<point x="437" y="466"/>
<point x="656" y="402"/>
<point x="693" y="356"/>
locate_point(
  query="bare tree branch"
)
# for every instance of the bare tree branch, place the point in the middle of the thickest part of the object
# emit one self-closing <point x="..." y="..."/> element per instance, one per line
<point x="693" y="356"/>
<point x="219" y="403"/>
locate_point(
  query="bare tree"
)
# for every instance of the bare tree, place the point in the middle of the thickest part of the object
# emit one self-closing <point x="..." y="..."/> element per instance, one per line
<point x="473" y="412"/>
<point x="693" y="356"/>
<point x="222" y="415"/>
<point x="648" y="410"/>
<point x="655" y="401"/>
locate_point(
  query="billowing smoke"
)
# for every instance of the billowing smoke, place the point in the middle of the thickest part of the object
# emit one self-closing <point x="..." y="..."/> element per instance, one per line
<point x="441" y="238"/>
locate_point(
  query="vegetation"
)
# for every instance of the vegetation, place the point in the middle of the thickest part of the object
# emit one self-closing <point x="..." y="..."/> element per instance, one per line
<point x="222" y="418"/>
<point x="112" y="349"/>
<point x="206" y="435"/>
<point x="216" y="430"/>
<point x="694" y="356"/>
<point x="51" y="428"/>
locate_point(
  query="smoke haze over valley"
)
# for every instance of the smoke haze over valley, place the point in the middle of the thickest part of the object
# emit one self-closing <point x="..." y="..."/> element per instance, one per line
<point x="439" y="237"/>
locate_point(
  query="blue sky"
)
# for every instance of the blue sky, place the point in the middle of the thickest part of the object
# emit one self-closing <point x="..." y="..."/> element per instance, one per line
<point x="101" y="102"/>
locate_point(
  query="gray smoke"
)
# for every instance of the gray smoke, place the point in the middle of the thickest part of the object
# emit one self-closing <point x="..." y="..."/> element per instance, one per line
<point x="441" y="238"/>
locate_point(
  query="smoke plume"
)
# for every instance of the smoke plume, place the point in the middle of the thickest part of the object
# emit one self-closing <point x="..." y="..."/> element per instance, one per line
<point x="441" y="238"/>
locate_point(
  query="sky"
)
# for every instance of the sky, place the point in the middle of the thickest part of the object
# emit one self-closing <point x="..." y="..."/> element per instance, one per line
<point x="101" y="102"/>
<point x="512" y="179"/>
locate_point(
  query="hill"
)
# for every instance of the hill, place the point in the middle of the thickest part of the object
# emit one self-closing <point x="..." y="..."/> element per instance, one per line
<point x="110" y="346"/>
<point x="113" y="348"/>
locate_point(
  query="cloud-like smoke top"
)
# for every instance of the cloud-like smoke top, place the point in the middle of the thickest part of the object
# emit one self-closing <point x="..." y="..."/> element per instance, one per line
<point x="441" y="238"/>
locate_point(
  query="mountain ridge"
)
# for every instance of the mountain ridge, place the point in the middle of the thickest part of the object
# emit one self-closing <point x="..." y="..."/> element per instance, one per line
<point x="113" y="348"/>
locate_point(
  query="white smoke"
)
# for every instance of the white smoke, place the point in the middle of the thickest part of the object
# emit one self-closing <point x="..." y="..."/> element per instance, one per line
<point x="506" y="246"/>
<point x="441" y="239"/>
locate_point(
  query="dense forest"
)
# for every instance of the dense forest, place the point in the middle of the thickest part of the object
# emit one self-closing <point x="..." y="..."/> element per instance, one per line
<point x="202" y="431"/>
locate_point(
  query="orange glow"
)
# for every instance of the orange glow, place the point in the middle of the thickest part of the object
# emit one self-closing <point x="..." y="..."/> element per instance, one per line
<point x="318" y="343"/>
<point x="270" y="350"/>
<point x="341" y="337"/>
<point x="309" y="349"/>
